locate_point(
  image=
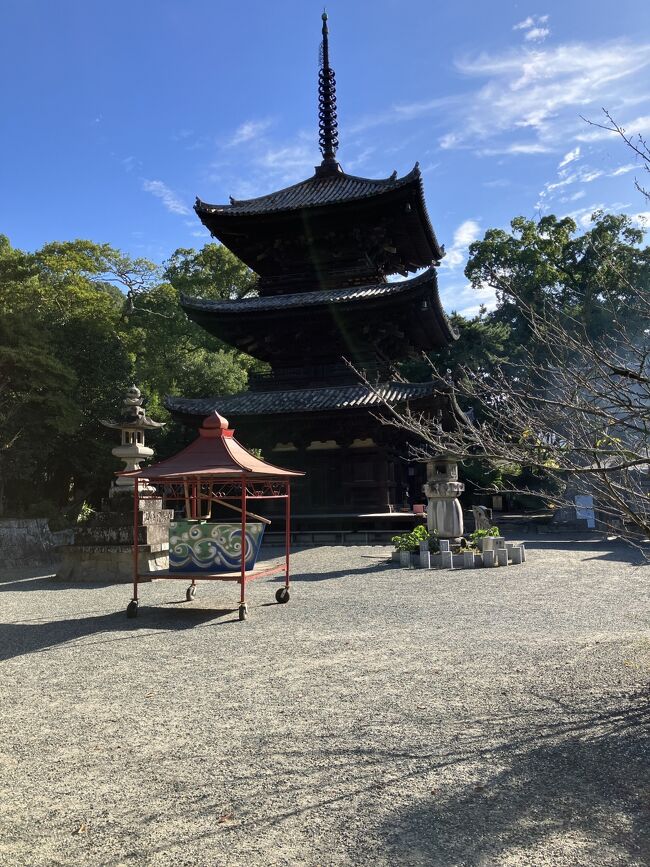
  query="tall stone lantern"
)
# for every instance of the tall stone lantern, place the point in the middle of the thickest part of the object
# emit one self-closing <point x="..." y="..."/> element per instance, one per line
<point x="133" y="423"/>
<point x="103" y="545"/>
<point x="444" y="512"/>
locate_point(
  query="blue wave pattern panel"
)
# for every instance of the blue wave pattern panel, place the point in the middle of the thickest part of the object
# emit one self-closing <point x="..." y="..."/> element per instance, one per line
<point x="205" y="547"/>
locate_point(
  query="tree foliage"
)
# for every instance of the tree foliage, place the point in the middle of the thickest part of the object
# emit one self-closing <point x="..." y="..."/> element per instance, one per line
<point x="568" y="403"/>
<point x="79" y="322"/>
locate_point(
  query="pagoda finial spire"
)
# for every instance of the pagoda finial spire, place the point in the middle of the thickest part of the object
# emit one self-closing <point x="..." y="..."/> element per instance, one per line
<point x="327" y="124"/>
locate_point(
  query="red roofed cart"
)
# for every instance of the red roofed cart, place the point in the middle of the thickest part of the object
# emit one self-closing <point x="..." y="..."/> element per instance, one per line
<point x="214" y="469"/>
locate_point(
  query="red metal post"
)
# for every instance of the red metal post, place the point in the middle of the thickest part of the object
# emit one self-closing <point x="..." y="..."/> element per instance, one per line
<point x="242" y="597"/>
<point x="136" y="539"/>
<point x="287" y="534"/>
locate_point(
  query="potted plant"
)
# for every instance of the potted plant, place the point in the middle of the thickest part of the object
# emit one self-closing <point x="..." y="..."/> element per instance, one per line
<point x="409" y="543"/>
<point x="484" y="539"/>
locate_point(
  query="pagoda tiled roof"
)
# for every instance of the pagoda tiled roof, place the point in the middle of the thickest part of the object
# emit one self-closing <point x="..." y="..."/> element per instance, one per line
<point x="295" y="299"/>
<point x="303" y="399"/>
<point x="322" y="320"/>
<point x="309" y="299"/>
<point x="318" y="190"/>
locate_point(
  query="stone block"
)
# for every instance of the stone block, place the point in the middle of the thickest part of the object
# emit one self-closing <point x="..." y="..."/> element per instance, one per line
<point x="489" y="558"/>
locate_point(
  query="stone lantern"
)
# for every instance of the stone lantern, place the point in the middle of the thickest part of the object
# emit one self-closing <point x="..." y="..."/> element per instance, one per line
<point x="103" y="545"/>
<point x="133" y="423"/>
<point x="444" y="512"/>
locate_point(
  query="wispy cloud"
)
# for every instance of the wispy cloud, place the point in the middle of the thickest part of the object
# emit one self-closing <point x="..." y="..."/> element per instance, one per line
<point x="497" y="182"/>
<point x="250" y="130"/>
<point x="463" y="298"/>
<point x="573" y="197"/>
<point x="515" y="148"/>
<point x="289" y="163"/>
<point x="531" y="21"/>
<point x="169" y="199"/>
<point x="543" y="92"/>
<point x="537" y="34"/>
<point x="468" y="231"/>
<point x="570" y="157"/>
<point x="636" y="126"/>
<point x="533" y="27"/>
<point x="402" y="112"/>
<point x="569" y="176"/>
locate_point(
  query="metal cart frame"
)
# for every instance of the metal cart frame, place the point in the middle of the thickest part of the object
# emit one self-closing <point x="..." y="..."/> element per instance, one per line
<point x="198" y="493"/>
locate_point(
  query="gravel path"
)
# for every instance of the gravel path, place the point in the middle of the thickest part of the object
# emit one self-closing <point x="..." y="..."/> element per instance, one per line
<point x="382" y="717"/>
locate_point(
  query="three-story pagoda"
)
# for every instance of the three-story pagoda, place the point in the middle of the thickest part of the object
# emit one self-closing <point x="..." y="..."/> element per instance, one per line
<point x="323" y="250"/>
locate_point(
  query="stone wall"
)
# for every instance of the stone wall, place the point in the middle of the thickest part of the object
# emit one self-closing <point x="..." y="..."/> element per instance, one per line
<point x="24" y="539"/>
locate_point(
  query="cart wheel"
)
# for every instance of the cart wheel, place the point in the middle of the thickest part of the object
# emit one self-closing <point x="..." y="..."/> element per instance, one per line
<point x="243" y="611"/>
<point x="190" y="593"/>
<point x="282" y="595"/>
<point x="132" y="609"/>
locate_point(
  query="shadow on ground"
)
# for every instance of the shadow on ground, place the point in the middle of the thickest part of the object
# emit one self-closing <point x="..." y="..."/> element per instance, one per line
<point x="378" y="565"/>
<point x="579" y="787"/>
<point x="19" y="639"/>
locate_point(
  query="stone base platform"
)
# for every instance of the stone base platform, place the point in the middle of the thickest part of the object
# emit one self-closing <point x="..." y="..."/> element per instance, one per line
<point x="103" y="546"/>
<point x="110" y="563"/>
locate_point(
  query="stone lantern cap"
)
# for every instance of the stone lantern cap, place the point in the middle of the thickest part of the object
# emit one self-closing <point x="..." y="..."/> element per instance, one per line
<point x="133" y="415"/>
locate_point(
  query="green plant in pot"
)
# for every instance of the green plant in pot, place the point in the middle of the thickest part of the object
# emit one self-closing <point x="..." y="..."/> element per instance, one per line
<point x="411" y="541"/>
<point x="483" y="540"/>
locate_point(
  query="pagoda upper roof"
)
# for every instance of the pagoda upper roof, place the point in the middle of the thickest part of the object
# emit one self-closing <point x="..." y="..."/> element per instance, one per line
<point x="395" y="319"/>
<point x="316" y="191"/>
<point x="330" y="224"/>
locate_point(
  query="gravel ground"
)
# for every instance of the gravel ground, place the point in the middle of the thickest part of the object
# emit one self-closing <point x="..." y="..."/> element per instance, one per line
<point x="383" y="716"/>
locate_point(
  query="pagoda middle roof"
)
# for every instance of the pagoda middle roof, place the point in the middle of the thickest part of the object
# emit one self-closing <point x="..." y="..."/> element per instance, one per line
<point x="317" y="190"/>
<point x="395" y="319"/>
<point x="313" y="298"/>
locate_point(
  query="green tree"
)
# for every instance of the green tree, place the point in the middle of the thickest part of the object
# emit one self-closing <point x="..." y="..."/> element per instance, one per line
<point x="212" y="272"/>
<point x="81" y="321"/>
<point x="545" y="264"/>
<point x="571" y="408"/>
<point x="483" y="342"/>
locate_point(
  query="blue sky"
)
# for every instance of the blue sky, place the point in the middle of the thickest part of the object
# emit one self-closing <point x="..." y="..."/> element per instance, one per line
<point x="117" y="115"/>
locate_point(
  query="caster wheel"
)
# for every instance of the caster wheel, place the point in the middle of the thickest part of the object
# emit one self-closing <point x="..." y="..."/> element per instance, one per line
<point x="282" y="595"/>
<point x="243" y="612"/>
<point x="190" y="593"/>
<point x="132" y="609"/>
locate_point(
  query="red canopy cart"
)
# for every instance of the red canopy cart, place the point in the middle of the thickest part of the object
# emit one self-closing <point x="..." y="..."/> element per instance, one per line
<point x="213" y="470"/>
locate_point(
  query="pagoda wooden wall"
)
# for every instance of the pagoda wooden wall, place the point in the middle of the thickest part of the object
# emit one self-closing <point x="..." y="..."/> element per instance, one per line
<point x="358" y="469"/>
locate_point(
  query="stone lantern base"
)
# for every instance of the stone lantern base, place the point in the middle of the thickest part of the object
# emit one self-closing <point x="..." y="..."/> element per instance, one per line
<point x="103" y="546"/>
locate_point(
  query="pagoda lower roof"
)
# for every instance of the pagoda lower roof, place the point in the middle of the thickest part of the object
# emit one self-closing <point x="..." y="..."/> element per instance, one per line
<point x="396" y="319"/>
<point x="299" y="400"/>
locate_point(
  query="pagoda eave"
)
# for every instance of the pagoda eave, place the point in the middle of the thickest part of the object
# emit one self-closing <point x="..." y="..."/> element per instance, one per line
<point x="397" y="319"/>
<point x="385" y="232"/>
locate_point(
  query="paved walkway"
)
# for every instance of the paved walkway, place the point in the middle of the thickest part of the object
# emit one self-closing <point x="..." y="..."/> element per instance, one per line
<point x="382" y="717"/>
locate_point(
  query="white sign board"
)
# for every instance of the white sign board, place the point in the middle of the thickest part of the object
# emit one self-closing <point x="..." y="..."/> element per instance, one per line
<point x="585" y="509"/>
